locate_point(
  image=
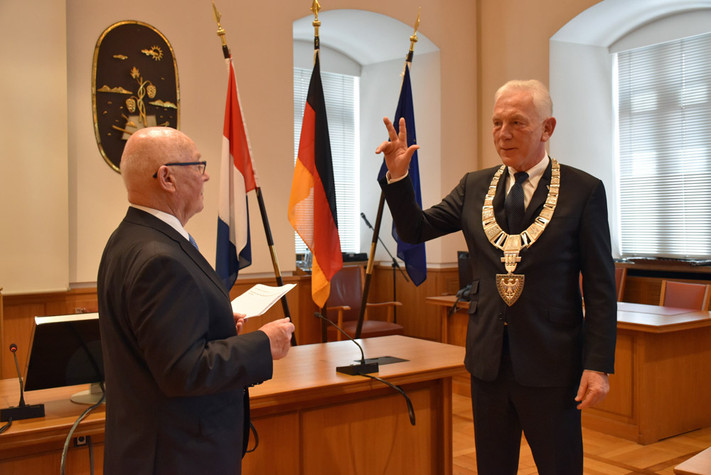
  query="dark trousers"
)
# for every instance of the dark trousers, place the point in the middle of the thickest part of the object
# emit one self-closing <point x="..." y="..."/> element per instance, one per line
<point x="547" y="416"/>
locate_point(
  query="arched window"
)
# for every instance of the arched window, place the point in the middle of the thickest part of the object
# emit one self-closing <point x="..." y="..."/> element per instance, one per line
<point x="362" y="58"/>
<point x="613" y="123"/>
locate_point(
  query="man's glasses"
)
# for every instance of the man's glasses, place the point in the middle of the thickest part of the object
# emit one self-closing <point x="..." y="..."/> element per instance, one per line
<point x="202" y="166"/>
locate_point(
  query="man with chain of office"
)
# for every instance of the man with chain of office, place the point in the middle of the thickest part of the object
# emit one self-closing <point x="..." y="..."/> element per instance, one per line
<point x="533" y="227"/>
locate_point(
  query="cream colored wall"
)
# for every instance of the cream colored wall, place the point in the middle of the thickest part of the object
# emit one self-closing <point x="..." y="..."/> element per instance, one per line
<point x="53" y="234"/>
<point x="513" y="40"/>
<point x="34" y="241"/>
<point x="84" y="213"/>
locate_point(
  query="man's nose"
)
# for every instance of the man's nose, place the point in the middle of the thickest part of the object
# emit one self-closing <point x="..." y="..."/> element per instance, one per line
<point x="505" y="130"/>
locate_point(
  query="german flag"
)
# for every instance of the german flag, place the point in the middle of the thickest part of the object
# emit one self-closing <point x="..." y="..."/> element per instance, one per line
<point x="312" y="204"/>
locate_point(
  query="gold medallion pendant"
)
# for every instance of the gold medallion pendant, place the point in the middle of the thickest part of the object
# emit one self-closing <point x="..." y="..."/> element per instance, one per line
<point x="510" y="285"/>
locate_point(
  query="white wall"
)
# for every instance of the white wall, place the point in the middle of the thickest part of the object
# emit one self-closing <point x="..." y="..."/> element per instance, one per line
<point x="34" y="241"/>
<point x="61" y="200"/>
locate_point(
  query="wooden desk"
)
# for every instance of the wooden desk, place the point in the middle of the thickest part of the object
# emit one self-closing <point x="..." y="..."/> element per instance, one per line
<point x="35" y="445"/>
<point x="662" y="377"/>
<point x="310" y="419"/>
<point x="453" y="325"/>
<point x="325" y="422"/>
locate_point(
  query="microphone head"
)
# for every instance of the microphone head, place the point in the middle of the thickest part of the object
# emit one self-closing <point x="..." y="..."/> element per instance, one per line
<point x="13" y="347"/>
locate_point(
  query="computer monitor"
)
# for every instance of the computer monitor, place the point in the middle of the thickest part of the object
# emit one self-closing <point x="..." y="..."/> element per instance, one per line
<point x="465" y="268"/>
<point x="65" y="350"/>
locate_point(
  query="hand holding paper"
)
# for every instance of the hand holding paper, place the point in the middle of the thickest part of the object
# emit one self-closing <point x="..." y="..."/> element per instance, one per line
<point x="257" y="300"/>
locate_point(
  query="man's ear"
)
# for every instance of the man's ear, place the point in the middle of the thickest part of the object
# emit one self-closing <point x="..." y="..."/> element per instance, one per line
<point x="548" y="128"/>
<point x="165" y="179"/>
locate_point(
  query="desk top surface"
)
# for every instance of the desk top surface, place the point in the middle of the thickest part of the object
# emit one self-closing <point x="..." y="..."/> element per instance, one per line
<point x="310" y="367"/>
<point x="308" y="372"/>
<point x="632" y="316"/>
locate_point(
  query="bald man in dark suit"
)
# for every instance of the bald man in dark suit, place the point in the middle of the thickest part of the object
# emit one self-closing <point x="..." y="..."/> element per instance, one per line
<point x="176" y="368"/>
<point x="532" y="227"/>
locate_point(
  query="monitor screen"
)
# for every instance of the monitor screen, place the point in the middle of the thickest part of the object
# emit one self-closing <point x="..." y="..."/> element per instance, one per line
<point x="465" y="268"/>
<point x="65" y="350"/>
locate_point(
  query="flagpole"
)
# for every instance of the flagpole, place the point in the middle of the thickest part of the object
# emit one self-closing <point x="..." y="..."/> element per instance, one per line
<point x="379" y="216"/>
<point x="315" y="8"/>
<point x="258" y="192"/>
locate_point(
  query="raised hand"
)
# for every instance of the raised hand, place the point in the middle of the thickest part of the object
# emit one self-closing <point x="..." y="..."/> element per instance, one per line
<point x="397" y="153"/>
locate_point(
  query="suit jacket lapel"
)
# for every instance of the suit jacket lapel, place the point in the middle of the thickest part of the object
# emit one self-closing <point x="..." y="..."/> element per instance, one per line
<point x="539" y="196"/>
<point x="499" y="198"/>
<point x="140" y="217"/>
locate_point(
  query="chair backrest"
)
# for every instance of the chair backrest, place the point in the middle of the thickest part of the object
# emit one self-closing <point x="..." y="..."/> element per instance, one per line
<point x="346" y="289"/>
<point x="684" y="295"/>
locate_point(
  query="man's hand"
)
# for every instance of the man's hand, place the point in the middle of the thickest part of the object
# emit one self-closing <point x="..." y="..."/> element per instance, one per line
<point x="239" y="321"/>
<point x="594" y="386"/>
<point x="397" y="153"/>
<point x="279" y="333"/>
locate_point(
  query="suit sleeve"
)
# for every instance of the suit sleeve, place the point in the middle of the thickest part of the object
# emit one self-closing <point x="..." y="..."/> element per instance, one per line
<point x="186" y="333"/>
<point x="598" y="270"/>
<point x="415" y="225"/>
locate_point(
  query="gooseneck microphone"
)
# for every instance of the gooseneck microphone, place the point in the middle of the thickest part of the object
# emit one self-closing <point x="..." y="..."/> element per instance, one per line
<point x="365" y="368"/>
<point x="13" y="350"/>
<point x="22" y="411"/>
<point x="367" y="223"/>
<point x="358" y="368"/>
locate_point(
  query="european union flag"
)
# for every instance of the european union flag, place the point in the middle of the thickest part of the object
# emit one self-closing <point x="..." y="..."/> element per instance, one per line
<point x="412" y="254"/>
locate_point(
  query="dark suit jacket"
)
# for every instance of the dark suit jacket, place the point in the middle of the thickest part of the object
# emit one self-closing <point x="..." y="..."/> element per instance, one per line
<point x="550" y="341"/>
<point x="175" y="368"/>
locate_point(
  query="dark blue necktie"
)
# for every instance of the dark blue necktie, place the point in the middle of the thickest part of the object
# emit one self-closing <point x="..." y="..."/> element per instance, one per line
<point x="192" y="241"/>
<point x="514" y="204"/>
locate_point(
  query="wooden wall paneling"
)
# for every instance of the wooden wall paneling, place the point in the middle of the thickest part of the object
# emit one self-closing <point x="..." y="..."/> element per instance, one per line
<point x="419" y="319"/>
<point x="2" y="335"/>
<point x="642" y="290"/>
<point x="18" y="314"/>
<point x="644" y="277"/>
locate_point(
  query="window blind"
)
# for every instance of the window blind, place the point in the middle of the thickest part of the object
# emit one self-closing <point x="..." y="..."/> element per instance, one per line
<point x="664" y="129"/>
<point x="342" y="95"/>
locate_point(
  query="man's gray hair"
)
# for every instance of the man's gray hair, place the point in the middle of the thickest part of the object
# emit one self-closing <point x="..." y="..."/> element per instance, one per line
<point x="541" y="97"/>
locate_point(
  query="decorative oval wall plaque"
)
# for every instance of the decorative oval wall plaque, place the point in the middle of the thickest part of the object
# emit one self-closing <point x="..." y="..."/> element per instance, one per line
<point x="134" y="85"/>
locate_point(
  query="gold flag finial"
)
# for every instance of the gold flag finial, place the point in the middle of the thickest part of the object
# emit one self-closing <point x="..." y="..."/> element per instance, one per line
<point x="218" y="17"/>
<point x="220" y="30"/>
<point x="413" y="38"/>
<point x="315" y="7"/>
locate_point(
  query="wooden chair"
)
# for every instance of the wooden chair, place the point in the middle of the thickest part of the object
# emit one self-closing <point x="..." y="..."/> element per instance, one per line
<point x="684" y="295"/>
<point x="343" y="307"/>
